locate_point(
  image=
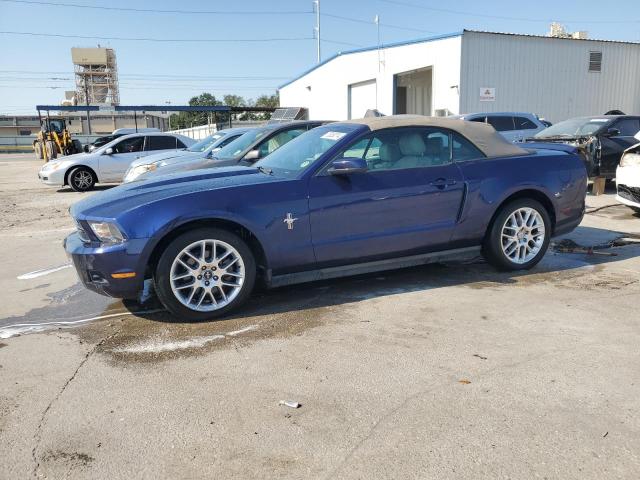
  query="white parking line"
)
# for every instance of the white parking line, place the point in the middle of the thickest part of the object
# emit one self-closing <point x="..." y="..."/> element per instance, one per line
<point x="43" y="272"/>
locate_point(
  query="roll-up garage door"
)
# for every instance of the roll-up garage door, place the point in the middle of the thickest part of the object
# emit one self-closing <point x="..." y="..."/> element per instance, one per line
<point x="362" y="97"/>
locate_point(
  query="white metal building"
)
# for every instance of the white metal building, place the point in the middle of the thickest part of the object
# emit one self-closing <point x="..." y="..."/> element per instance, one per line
<point x="474" y="71"/>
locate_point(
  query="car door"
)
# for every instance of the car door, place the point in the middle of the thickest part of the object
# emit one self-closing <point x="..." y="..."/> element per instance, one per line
<point x="406" y="202"/>
<point x="113" y="166"/>
<point x="613" y="144"/>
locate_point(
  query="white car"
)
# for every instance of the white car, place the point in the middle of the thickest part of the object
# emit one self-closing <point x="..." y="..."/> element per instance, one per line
<point x="109" y="163"/>
<point x="628" y="177"/>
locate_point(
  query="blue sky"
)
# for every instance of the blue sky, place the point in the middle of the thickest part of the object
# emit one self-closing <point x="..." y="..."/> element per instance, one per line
<point x="29" y="65"/>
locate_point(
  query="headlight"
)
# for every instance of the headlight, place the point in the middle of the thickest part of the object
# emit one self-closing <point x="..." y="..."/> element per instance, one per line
<point x="141" y="169"/>
<point x="106" y="232"/>
<point x="630" y="159"/>
<point x="52" y="166"/>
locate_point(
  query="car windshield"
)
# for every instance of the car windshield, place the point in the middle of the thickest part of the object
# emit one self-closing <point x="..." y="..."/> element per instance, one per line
<point x="241" y="143"/>
<point x="294" y="157"/>
<point x="574" y="127"/>
<point x="205" y="143"/>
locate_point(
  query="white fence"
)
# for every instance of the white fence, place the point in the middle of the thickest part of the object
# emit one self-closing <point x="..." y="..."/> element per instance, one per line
<point x="202" y="131"/>
<point x="197" y="133"/>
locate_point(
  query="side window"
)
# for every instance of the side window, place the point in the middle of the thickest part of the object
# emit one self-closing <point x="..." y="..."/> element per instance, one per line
<point x="628" y="126"/>
<point x="402" y="148"/>
<point x="463" y="149"/>
<point x="478" y="119"/>
<point x="129" y="145"/>
<point x="523" y="123"/>
<point x="500" y="123"/>
<point x="437" y="147"/>
<point x="227" y="140"/>
<point x="358" y="149"/>
<point x="179" y="144"/>
<point x="161" y="142"/>
<point x="278" y="140"/>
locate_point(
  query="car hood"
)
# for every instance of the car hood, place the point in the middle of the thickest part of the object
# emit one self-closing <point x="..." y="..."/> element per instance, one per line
<point x="119" y="200"/>
<point x="169" y="156"/>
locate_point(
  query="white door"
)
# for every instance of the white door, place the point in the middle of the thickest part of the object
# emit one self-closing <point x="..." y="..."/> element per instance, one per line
<point x="113" y="167"/>
<point x="362" y="97"/>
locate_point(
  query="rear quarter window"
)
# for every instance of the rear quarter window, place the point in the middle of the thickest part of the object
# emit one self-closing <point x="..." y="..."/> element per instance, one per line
<point x="500" y="123"/>
<point x="523" y="123"/>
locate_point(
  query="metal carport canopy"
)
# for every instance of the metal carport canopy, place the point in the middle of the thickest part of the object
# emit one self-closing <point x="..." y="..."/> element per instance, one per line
<point x="151" y="108"/>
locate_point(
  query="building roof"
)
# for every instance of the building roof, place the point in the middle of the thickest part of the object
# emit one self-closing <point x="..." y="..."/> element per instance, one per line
<point x="483" y="136"/>
<point x="441" y="37"/>
<point x="367" y="49"/>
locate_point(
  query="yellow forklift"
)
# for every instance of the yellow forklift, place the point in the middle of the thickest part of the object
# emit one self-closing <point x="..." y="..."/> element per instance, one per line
<point x="54" y="139"/>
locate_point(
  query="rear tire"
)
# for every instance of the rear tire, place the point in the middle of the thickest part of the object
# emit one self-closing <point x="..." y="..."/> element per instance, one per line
<point x="519" y="236"/>
<point x="81" y="179"/>
<point x="204" y="274"/>
<point x="52" y="152"/>
<point x="37" y="148"/>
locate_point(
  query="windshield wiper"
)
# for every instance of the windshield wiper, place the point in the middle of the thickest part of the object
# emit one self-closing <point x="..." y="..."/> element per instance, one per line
<point x="266" y="171"/>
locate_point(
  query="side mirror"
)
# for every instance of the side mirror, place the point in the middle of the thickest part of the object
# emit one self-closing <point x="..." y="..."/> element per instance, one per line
<point x="347" y="166"/>
<point x="252" y="155"/>
<point x="612" y="132"/>
<point x="86" y="149"/>
<point x="108" y="151"/>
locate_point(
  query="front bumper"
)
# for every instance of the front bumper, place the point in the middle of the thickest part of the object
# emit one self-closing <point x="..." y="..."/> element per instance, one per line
<point x="628" y="185"/>
<point x="54" y="178"/>
<point x="96" y="266"/>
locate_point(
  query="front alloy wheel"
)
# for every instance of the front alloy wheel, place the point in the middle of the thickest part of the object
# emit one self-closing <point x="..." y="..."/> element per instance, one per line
<point x="207" y="275"/>
<point x="204" y="273"/>
<point x="81" y="179"/>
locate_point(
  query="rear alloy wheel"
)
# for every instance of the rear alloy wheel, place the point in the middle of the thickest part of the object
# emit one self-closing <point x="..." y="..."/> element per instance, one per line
<point x="519" y="236"/>
<point x="81" y="179"/>
<point x="205" y="273"/>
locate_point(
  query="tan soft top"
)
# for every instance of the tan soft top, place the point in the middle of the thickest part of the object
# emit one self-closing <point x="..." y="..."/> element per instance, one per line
<point x="490" y="142"/>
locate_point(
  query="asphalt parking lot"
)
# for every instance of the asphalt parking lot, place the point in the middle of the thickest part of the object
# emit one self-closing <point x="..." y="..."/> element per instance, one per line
<point x="442" y="371"/>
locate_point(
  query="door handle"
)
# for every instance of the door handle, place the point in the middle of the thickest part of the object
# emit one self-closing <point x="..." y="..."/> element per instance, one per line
<point x="442" y="183"/>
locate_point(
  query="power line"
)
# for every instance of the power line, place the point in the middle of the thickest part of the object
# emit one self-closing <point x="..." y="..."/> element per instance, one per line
<point x="371" y="22"/>
<point x="158" y="75"/>
<point x="156" y="10"/>
<point x="163" y="40"/>
<point x="137" y="87"/>
<point x="501" y="17"/>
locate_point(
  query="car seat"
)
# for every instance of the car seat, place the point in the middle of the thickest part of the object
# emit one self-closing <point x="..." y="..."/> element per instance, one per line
<point x="412" y="148"/>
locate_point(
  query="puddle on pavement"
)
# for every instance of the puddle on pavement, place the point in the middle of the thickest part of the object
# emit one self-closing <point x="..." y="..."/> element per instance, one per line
<point x="129" y="334"/>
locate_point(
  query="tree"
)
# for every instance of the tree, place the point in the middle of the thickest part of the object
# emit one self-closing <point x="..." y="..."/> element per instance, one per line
<point x="192" y="119"/>
<point x="189" y="119"/>
<point x="270" y="101"/>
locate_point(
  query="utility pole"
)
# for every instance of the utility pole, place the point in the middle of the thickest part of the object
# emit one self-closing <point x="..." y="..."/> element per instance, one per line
<point x="376" y="20"/>
<point x="86" y="99"/>
<point x="316" y="4"/>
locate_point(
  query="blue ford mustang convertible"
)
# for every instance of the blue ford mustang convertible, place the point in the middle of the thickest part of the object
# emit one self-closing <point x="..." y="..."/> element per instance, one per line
<point x="343" y="199"/>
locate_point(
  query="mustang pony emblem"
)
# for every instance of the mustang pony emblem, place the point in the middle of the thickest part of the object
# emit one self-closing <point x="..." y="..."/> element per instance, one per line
<point x="289" y="221"/>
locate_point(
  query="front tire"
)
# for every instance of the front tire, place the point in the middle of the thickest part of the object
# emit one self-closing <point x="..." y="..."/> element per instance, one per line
<point x="204" y="274"/>
<point x="81" y="179"/>
<point x="519" y="235"/>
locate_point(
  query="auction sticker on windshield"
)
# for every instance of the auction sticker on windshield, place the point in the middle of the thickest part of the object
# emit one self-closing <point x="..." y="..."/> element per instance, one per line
<point x="335" y="136"/>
